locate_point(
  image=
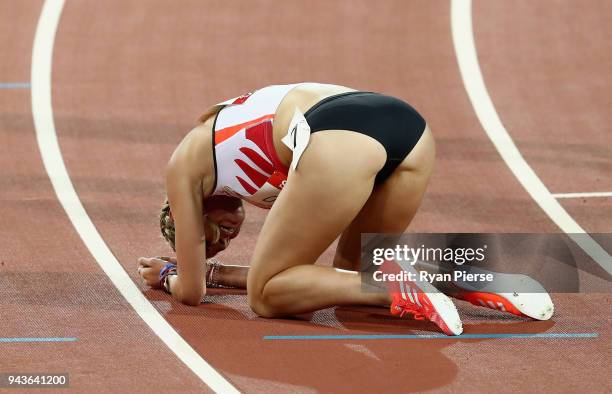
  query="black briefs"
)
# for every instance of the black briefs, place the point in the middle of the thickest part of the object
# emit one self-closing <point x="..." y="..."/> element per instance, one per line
<point x="390" y="121"/>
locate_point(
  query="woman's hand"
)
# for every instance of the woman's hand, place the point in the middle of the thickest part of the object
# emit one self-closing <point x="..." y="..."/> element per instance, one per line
<point x="149" y="268"/>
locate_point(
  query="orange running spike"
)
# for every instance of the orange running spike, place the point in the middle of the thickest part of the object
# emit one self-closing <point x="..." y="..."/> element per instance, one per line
<point x="422" y="300"/>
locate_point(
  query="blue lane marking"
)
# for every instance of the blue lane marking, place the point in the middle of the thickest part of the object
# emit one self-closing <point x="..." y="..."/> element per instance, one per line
<point x="37" y="339"/>
<point x="429" y="336"/>
<point x="15" y="85"/>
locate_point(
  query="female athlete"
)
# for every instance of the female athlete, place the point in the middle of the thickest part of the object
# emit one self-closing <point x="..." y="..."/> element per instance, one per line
<point x="327" y="161"/>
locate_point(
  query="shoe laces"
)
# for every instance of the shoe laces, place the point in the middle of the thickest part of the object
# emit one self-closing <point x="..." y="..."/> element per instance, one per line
<point x="409" y="307"/>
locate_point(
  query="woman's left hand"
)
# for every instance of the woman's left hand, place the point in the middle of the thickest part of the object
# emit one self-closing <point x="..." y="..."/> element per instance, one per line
<point x="150" y="267"/>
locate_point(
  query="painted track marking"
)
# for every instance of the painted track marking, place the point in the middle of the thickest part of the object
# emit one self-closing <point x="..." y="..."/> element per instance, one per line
<point x="465" y="51"/>
<point x="14" y="85"/>
<point x="42" y="111"/>
<point x="551" y="335"/>
<point x="37" y="339"/>
<point x="582" y="195"/>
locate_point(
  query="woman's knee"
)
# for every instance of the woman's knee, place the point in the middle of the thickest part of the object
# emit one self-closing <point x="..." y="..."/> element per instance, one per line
<point x="261" y="303"/>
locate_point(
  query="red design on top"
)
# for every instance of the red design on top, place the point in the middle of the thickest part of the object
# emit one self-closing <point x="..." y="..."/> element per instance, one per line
<point x="257" y="177"/>
<point x="264" y="165"/>
<point x="256" y="158"/>
<point x="243" y="98"/>
<point x="246" y="186"/>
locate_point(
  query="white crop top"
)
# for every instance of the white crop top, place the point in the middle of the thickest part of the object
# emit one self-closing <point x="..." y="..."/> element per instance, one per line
<point x="246" y="163"/>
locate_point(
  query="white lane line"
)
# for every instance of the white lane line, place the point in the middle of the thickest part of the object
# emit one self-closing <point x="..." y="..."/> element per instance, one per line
<point x="580" y="195"/>
<point x="465" y="50"/>
<point x="42" y="55"/>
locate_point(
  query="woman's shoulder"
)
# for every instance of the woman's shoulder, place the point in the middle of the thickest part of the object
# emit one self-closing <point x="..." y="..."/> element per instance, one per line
<point x="193" y="156"/>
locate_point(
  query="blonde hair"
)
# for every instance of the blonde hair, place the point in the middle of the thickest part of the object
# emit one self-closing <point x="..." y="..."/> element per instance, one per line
<point x="166" y="225"/>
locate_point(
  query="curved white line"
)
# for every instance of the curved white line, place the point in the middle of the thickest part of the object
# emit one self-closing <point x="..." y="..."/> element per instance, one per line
<point x="465" y="50"/>
<point x="42" y="55"/>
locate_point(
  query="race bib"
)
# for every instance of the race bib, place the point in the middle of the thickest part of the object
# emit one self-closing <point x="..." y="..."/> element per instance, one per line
<point x="297" y="137"/>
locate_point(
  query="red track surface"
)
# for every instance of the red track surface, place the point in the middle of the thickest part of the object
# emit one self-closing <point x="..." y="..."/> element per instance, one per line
<point x="131" y="77"/>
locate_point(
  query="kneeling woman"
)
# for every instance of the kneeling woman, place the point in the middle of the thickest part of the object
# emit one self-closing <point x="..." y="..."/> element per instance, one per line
<point x="354" y="162"/>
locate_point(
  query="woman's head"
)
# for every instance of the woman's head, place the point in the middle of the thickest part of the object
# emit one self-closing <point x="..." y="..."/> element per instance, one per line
<point x="223" y="217"/>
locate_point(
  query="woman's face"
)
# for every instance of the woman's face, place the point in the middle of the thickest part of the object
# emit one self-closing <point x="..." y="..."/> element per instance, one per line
<point x="228" y="214"/>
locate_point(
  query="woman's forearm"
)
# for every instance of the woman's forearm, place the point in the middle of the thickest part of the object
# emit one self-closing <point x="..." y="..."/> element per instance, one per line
<point x="230" y="275"/>
<point x="217" y="275"/>
<point x="233" y="275"/>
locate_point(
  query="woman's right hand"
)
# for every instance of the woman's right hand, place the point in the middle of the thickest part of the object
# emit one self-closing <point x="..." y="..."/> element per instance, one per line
<point x="150" y="267"/>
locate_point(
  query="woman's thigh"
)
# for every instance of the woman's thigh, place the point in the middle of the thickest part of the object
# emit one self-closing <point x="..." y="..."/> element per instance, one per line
<point x="392" y="204"/>
<point x="330" y="186"/>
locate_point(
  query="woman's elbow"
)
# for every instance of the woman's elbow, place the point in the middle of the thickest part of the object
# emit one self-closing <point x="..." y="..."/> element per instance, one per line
<point x="192" y="299"/>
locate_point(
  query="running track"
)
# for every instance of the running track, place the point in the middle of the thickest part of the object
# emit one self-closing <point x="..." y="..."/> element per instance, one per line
<point x="130" y="77"/>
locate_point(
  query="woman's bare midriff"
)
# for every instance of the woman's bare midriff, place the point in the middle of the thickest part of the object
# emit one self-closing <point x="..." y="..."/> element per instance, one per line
<point x="302" y="97"/>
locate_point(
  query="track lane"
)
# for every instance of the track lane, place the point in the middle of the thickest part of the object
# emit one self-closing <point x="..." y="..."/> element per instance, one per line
<point x="546" y="66"/>
<point x="156" y="67"/>
<point x="49" y="284"/>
